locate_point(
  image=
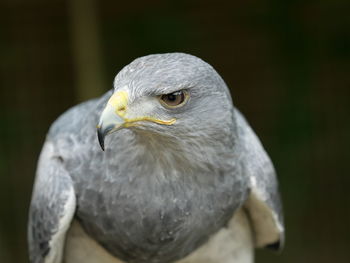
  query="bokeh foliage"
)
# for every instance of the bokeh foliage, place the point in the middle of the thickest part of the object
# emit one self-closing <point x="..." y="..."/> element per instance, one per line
<point x="286" y="62"/>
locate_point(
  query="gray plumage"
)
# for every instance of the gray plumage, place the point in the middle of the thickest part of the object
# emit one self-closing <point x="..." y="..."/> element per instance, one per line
<point x="158" y="192"/>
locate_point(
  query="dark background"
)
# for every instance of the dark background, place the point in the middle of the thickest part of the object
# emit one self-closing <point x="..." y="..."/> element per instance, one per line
<point x="286" y="62"/>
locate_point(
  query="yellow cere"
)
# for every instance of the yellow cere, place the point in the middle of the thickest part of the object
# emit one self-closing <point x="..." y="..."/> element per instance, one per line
<point x="119" y="101"/>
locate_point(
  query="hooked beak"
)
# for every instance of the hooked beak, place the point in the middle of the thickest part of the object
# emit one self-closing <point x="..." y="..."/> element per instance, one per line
<point x="111" y="118"/>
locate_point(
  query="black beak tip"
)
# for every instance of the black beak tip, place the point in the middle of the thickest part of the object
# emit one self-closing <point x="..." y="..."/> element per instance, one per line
<point x="101" y="138"/>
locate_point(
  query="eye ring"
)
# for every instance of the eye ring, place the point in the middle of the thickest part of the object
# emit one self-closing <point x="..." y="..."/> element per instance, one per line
<point x="175" y="99"/>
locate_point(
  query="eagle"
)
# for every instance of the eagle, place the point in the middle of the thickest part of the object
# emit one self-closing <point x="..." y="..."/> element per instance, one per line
<point x="161" y="169"/>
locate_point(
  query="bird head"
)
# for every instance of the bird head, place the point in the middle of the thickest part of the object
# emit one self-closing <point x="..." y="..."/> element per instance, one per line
<point x="174" y="95"/>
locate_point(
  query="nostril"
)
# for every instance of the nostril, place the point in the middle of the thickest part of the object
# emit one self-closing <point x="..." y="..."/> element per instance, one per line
<point x="121" y="108"/>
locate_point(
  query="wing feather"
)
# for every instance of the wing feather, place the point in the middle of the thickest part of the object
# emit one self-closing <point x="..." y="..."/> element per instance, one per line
<point x="263" y="204"/>
<point x="52" y="208"/>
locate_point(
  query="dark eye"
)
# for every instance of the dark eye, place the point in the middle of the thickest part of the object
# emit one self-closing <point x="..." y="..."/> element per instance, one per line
<point x="175" y="99"/>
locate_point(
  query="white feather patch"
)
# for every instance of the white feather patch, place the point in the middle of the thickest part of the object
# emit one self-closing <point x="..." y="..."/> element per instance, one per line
<point x="267" y="228"/>
<point x="80" y="248"/>
<point x="232" y="244"/>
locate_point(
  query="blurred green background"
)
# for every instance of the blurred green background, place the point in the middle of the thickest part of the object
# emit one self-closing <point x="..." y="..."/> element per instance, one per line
<point x="286" y="62"/>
